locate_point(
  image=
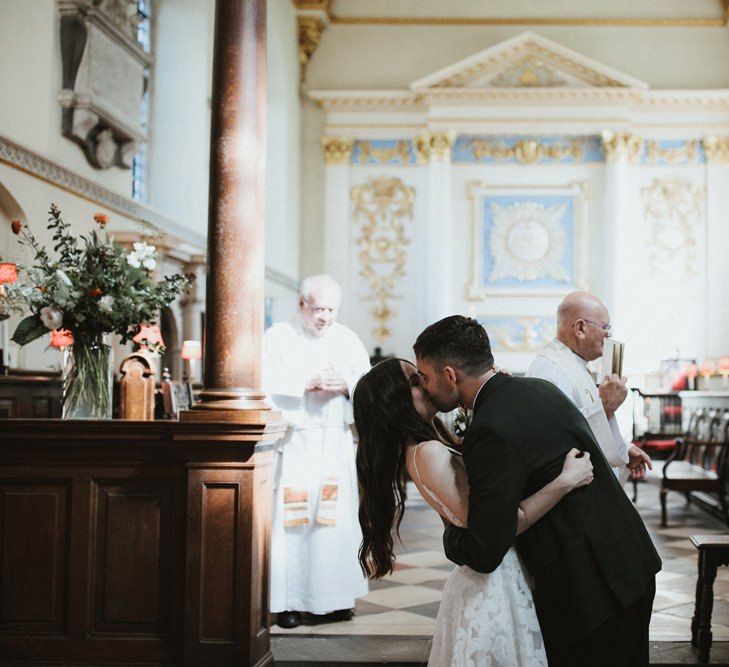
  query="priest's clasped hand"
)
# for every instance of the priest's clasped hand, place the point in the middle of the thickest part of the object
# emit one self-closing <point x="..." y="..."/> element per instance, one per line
<point x="329" y="379"/>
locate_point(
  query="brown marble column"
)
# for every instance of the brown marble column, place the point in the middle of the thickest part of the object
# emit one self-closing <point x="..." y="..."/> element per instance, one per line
<point x="236" y="224"/>
<point x="230" y="502"/>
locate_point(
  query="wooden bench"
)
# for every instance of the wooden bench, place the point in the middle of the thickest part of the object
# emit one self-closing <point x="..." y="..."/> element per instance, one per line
<point x="713" y="552"/>
<point x="698" y="464"/>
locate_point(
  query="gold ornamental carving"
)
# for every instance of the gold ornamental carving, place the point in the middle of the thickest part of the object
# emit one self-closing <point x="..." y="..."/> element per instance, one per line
<point x="400" y="152"/>
<point x="310" y="30"/>
<point x="318" y="5"/>
<point x="531" y="334"/>
<point x="435" y="146"/>
<point x="529" y="72"/>
<point x="337" y="150"/>
<point x="539" y="53"/>
<point x="382" y="208"/>
<point x="674" y="209"/>
<point x="716" y="149"/>
<point x="527" y="151"/>
<point x="655" y="153"/>
<point x="621" y="145"/>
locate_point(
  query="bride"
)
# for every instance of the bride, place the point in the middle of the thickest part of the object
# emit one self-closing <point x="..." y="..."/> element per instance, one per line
<point x="484" y="619"/>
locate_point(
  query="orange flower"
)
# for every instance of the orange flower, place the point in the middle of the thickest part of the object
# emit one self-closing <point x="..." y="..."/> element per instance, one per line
<point x="149" y="335"/>
<point x="61" y="338"/>
<point x="94" y="291"/>
<point x="8" y="272"/>
<point x="101" y="219"/>
<point x="16" y="226"/>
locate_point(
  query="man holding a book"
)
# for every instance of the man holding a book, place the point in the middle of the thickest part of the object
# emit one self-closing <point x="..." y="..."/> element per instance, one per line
<point x="583" y="334"/>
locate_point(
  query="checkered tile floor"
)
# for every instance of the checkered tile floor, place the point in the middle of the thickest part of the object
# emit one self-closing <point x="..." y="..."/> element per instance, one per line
<point x="406" y="602"/>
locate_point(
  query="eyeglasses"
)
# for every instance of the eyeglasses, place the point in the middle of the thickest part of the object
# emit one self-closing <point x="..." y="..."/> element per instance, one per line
<point x="607" y="328"/>
<point x="319" y="311"/>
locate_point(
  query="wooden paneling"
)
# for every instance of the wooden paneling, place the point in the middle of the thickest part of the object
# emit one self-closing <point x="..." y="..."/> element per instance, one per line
<point x="8" y="407"/>
<point x="135" y="542"/>
<point x="31" y="395"/>
<point x="218" y="557"/>
<point x="33" y="555"/>
<point x="260" y="556"/>
<point x="42" y="407"/>
<point x="134" y="562"/>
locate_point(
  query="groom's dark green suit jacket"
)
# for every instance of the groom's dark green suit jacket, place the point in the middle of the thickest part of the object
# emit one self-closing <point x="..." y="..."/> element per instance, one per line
<point x="590" y="556"/>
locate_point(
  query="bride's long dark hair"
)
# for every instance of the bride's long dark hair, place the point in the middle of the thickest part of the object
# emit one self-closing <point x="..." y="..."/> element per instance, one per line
<point x="386" y="421"/>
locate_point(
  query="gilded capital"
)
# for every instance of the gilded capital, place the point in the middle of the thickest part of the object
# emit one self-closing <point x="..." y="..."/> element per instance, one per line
<point x="337" y="150"/>
<point x="310" y="29"/>
<point x="716" y="149"/>
<point x="434" y="146"/>
<point x="621" y="146"/>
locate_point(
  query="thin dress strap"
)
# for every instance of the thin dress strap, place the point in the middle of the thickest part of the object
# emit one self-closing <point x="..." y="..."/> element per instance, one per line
<point x="443" y="509"/>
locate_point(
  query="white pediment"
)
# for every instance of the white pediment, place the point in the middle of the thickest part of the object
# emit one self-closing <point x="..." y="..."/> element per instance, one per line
<point x="528" y="61"/>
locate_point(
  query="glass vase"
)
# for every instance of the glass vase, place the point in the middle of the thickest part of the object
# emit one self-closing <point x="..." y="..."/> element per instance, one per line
<point x="88" y="379"/>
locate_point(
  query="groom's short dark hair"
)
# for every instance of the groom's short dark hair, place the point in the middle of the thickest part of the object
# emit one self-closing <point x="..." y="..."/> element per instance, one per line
<point x="456" y="341"/>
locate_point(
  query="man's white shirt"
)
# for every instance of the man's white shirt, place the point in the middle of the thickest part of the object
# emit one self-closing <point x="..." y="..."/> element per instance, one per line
<point x="559" y="365"/>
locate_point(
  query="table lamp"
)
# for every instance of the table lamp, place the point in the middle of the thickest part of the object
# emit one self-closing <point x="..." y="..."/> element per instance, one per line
<point x="191" y="351"/>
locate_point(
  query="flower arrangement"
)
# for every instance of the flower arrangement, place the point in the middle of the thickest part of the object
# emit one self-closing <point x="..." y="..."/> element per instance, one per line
<point x="90" y="287"/>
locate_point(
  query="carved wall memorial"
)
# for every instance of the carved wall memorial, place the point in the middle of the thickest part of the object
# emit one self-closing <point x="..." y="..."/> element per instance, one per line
<point x="104" y="78"/>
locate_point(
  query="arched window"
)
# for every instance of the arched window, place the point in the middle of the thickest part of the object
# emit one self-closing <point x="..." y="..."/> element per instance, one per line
<point x="144" y="37"/>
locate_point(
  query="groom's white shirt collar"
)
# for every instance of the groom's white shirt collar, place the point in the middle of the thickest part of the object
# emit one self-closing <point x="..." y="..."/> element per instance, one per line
<point x="475" y="398"/>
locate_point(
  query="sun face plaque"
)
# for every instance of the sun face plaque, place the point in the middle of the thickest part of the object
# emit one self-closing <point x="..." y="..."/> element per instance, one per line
<point x="527" y="240"/>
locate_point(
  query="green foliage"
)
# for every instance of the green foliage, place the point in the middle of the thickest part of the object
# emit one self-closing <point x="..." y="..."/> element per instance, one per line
<point x="93" y="283"/>
<point x="29" y="329"/>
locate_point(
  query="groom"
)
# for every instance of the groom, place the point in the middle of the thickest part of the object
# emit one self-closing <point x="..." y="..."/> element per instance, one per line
<point x="591" y="558"/>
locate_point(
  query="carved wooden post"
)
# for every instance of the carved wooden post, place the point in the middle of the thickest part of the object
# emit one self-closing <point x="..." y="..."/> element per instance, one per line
<point x="136" y="388"/>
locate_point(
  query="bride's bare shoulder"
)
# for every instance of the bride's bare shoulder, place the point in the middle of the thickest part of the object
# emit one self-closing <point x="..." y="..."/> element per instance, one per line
<point x="432" y="452"/>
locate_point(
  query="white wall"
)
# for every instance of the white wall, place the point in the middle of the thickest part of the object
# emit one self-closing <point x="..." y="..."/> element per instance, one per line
<point x="179" y="148"/>
<point x="30" y="78"/>
<point x="391" y="56"/>
<point x="283" y="155"/>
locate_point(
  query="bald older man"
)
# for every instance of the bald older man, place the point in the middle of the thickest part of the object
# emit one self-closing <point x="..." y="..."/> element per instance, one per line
<point x="583" y="323"/>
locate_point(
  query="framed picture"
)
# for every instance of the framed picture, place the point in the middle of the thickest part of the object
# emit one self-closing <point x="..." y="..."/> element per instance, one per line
<point x="528" y="240"/>
<point x="176" y="396"/>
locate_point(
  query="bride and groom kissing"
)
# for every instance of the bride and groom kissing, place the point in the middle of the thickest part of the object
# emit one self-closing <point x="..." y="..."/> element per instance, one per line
<point x="556" y="566"/>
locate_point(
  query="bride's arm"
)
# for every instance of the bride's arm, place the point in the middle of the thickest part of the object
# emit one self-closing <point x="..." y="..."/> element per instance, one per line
<point x="443" y="474"/>
<point x="576" y="472"/>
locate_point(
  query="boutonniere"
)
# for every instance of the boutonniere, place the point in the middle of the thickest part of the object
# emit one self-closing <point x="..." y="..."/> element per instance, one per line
<point x="462" y="421"/>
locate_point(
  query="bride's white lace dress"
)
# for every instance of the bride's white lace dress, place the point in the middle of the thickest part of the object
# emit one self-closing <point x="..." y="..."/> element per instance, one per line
<point x="486" y="620"/>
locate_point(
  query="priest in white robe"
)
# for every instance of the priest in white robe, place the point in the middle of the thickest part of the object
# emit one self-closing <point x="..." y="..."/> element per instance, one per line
<point x="583" y="322"/>
<point x="310" y="368"/>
